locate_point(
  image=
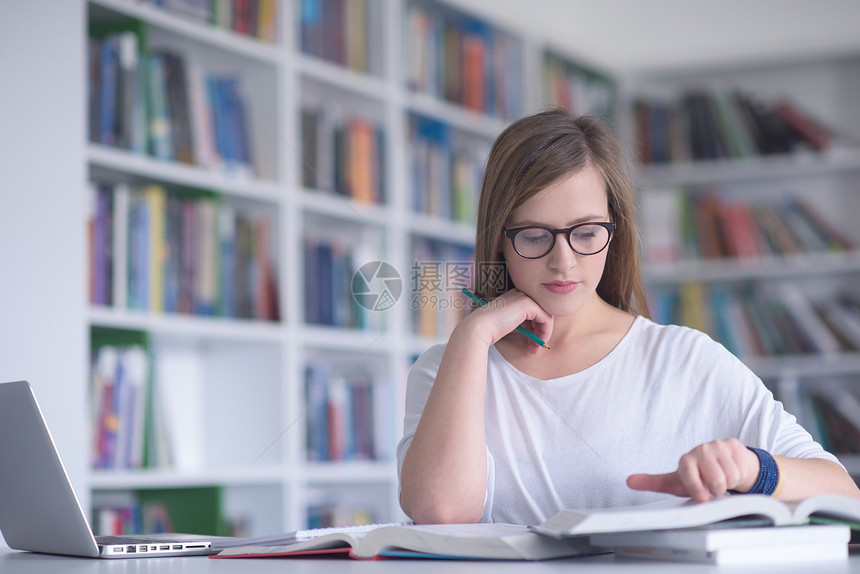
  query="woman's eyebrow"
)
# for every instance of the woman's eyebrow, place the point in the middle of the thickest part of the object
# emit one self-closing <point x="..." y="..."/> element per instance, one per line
<point x="584" y="219"/>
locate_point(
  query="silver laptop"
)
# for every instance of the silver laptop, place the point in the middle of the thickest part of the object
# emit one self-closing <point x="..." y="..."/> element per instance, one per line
<point x="39" y="510"/>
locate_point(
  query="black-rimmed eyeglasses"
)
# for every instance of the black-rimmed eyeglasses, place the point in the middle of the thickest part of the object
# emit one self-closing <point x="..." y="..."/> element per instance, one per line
<point x="535" y="241"/>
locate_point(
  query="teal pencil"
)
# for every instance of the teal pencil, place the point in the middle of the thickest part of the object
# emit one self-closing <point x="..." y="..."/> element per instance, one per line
<point x="520" y="328"/>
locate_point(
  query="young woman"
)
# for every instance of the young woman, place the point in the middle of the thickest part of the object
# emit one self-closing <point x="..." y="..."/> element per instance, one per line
<point x="619" y="410"/>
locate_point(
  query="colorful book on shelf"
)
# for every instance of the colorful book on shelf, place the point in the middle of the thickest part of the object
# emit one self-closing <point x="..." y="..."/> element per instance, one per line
<point x="577" y="88"/>
<point x="446" y="168"/>
<point x="181" y="252"/>
<point x="346" y="416"/>
<point x="455" y="57"/>
<point x="257" y="18"/>
<point x="675" y="513"/>
<point x="710" y="225"/>
<point x="120" y="388"/>
<point x="437" y="270"/>
<point x="770" y="319"/>
<point x="731" y="545"/>
<point x="167" y="105"/>
<point x="178" y="97"/>
<point x="160" y="510"/>
<point x="338" y="31"/>
<point x="330" y="266"/>
<point x="342" y="154"/>
<point x="494" y="541"/>
<point x="116" y="53"/>
<point x="328" y="514"/>
<point x="722" y="124"/>
<point x="829" y="412"/>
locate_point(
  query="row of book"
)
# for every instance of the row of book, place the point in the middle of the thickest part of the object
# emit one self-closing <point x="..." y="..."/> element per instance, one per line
<point x="682" y="224"/>
<point x="162" y="104"/>
<point x="719" y="124"/>
<point x="349" y="416"/>
<point x="154" y="511"/>
<point x="577" y="89"/>
<point x="255" y="18"/>
<point x="120" y="392"/>
<point x="445" y="170"/>
<point x="828" y="409"/>
<point x="132" y="519"/>
<point x="135" y="424"/>
<point x="775" y="319"/>
<point x="180" y="252"/>
<point x="343" y="155"/>
<point x="333" y="515"/>
<point x="332" y="290"/>
<point x="344" y="32"/>
<point x="439" y="271"/>
<point x="463" y="60"/>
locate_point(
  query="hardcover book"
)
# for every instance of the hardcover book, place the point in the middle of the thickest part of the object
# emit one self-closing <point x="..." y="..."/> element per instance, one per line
<point x="685" y="513"/>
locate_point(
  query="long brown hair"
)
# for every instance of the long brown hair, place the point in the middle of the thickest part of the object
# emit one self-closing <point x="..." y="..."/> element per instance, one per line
<point x="535" y="152"/>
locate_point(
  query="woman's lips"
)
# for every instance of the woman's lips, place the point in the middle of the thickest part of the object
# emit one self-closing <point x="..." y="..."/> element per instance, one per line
<point x="561" y="287"/>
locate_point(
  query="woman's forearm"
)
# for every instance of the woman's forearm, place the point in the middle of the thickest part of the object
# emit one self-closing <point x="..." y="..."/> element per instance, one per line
<point x="444" y="474"/>
<point x="804" y="477"/>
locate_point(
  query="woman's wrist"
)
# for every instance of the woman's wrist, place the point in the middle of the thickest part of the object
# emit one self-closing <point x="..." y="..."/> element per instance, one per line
<point x="767" y="481"/>
<point x="470" y="331"/>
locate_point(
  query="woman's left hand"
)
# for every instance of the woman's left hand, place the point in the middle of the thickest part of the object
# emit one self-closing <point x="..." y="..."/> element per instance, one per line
<point x="708" y="470"/>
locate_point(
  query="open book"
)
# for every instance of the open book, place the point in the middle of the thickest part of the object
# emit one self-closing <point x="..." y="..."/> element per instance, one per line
<point x="495" y="541"/>
<point x="685" y="513"/>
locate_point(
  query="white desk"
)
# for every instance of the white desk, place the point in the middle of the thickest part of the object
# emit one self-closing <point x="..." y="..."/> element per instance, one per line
<point x="12" y="562"/>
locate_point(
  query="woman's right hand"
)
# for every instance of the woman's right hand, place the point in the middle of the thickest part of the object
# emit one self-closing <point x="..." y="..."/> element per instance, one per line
<point x="505" y="313"/>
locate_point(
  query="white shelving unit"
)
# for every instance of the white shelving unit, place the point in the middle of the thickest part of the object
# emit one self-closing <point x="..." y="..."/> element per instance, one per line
<point x="243" y="380"/>
<point x="828" y="180"/>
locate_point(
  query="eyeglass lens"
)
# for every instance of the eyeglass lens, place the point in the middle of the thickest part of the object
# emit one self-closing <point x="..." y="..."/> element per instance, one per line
<point x="584" y="239"/>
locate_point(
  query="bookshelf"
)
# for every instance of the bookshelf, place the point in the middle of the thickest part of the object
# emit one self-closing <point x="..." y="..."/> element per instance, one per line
<point x="229" y="348"/>
<point x="245" y="379"/>
<point x="789" y="285"/>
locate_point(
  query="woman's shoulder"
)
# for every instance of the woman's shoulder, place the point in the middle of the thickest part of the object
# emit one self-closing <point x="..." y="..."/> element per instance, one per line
<point x="652" y="334"/>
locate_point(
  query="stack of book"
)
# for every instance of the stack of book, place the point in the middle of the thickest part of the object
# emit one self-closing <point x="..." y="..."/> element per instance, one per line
<point x="733" y="529"/>
<point x="743" y="529"/>
<point x="727" y="545"/>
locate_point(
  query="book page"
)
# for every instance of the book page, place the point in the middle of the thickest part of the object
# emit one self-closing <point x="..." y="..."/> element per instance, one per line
<point x="668" y="514"/>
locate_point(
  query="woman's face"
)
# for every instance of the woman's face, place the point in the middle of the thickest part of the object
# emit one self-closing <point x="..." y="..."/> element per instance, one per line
<point x="561" y="281"/>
